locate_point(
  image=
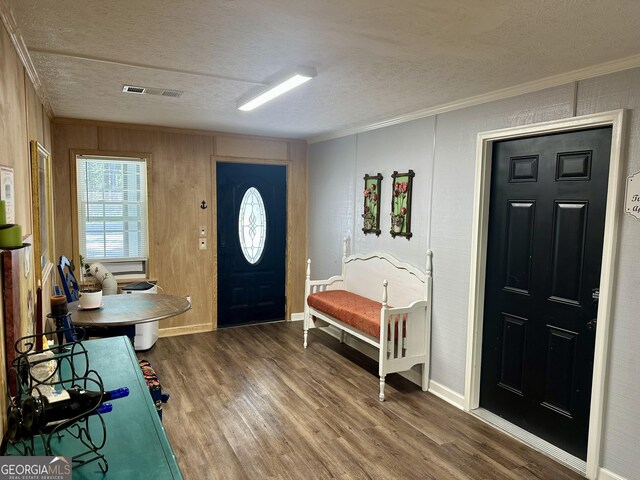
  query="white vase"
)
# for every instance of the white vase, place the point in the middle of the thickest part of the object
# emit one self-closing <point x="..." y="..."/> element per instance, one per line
<point x="90" y="299"/>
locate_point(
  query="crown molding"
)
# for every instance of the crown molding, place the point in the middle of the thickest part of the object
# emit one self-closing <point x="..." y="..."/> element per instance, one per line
<point x="524" y="88"/>
<point x="11" y="25"/>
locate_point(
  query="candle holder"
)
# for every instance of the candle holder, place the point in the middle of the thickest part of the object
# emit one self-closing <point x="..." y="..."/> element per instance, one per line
<point x="59" y="305"/>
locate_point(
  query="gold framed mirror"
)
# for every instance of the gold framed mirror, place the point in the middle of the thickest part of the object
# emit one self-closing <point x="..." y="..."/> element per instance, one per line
<point x="42" y="190"/>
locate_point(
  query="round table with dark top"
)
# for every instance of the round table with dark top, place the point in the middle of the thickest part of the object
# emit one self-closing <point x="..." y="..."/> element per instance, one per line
<point x="129" y="309"/>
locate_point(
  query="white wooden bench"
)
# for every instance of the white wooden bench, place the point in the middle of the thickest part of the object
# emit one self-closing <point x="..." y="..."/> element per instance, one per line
<point x="403" y="319"/>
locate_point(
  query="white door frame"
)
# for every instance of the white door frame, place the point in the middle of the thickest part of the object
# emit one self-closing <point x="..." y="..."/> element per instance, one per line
<point x="613" y="212"/>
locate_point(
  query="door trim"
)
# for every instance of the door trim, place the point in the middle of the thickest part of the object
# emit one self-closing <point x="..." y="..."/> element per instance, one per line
<point x="482" y="190"/>
<point x="288" y="287"/>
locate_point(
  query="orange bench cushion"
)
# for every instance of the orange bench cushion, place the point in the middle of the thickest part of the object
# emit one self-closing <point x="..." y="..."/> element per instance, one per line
<point x="360" y="312"/>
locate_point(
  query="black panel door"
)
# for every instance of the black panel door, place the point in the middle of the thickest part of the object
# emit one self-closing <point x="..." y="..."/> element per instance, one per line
<point x="546" y="227"/>
<point x="252" y="219"/>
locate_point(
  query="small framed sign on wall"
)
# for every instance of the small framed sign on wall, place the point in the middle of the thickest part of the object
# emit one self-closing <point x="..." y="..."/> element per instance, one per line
<point x="632" y="198"/>
<point x="6" y="192"/>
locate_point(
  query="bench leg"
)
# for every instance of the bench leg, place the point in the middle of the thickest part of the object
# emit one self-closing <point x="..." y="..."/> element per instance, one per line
<point x="381" y="397"/>
<point x="425" y="377"/>
<point x="306" y="333"/>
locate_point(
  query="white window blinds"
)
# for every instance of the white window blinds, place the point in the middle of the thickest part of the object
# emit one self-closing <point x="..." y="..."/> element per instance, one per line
<point x="112" y="209"/>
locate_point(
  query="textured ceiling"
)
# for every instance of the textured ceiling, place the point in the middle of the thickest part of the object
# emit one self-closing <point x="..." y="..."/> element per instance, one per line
<point x="376" y="59"/>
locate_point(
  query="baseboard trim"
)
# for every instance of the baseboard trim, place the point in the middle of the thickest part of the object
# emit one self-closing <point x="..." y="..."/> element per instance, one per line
<point x="608" y="475"/>
<point x="175" y="331"/>
<point x="296" y="317"/>
<point x="446" y="394"/>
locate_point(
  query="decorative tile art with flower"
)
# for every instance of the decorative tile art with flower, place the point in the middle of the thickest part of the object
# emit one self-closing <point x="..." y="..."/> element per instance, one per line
<point x="371" y="213"/>
<point x="401" y="204"/>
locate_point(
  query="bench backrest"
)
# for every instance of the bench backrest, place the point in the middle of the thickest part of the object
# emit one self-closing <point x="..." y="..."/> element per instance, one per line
<point x="364" y="274"/>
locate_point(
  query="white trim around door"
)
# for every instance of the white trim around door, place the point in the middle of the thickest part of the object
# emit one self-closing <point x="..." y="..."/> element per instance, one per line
<point x="482" y="190"/>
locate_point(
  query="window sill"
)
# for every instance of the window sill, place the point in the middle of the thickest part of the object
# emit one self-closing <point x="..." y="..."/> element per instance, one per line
<point x="124" y="281"/>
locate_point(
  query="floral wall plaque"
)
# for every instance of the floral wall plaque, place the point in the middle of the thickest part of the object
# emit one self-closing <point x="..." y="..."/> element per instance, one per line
<point x="401" y="204"/>
<point x="371" y="213"/>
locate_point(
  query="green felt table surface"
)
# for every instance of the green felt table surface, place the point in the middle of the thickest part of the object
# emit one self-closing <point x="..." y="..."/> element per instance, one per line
<point x="136" y="445"/>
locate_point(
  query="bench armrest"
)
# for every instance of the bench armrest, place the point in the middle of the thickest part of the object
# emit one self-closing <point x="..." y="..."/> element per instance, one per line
<point x="413" y="316"/>
<point x="332" y="283"/>
<point x="313" y="286"/>
<point x="412" y="307"/>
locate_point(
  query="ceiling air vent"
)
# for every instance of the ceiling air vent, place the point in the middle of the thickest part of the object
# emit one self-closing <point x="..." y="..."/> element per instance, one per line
<point x="160" y="92"/>
<point x="172" y="93"/>
<point x="131" y="89"/>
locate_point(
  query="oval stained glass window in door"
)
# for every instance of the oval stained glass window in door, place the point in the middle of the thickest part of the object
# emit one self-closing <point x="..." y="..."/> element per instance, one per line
<point x="252" y="225"/>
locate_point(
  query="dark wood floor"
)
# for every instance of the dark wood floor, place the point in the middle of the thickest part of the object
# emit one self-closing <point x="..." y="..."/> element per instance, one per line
<point x="251" y="403"/>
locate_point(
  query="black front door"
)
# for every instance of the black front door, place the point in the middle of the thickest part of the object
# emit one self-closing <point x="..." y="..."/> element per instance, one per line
<point x="546" y="227"/>
<point x="252" y="220"/>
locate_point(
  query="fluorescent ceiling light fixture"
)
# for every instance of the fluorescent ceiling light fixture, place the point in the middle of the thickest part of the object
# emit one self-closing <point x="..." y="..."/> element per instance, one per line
<point x="283" y="84"/>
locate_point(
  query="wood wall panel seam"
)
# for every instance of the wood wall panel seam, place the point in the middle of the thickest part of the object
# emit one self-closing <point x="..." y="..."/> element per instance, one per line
<point x="75" y="229"/>
<point x="83" y="138"/>
<point x="214" y="243"/>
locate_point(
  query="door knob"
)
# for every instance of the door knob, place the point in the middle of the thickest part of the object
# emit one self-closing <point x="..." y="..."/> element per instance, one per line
<point x="591" y="324"/>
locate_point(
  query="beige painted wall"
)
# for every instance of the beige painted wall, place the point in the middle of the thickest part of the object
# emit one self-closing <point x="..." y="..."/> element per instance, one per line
<point x="180" y="178"/>
<point x="22" y="118"/>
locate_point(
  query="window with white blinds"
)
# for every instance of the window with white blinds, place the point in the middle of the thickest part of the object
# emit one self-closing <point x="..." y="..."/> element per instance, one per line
<point x="112" y="212"/>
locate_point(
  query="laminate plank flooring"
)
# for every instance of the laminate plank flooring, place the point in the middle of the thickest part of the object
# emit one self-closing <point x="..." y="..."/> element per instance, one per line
<point x="252" y="403"/>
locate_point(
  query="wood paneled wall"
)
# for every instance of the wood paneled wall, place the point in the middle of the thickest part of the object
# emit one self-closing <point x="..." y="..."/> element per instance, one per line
<point x="22" y="118"/>
<point x="180" y="178"/>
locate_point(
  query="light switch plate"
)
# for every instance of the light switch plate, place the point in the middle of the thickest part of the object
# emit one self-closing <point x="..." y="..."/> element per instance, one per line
<point x="202" y="244"/>
<point x="203" y="231"/>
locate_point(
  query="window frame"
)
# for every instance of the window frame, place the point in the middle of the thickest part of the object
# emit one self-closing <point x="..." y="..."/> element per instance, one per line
<point x="75" y="241"/>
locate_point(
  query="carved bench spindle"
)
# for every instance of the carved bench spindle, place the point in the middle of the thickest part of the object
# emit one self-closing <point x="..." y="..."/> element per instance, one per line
<point x="383" y="332"/>
<point x="307" y="288"/>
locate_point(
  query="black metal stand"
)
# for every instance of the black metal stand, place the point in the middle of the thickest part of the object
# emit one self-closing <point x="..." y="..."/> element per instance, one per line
<point x="64" y="328"/>
<point x="58" y="368"/>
